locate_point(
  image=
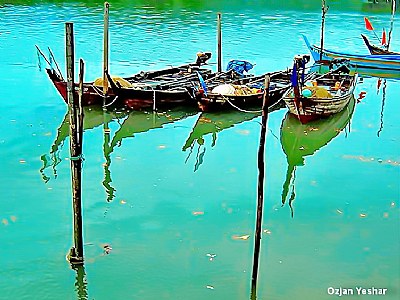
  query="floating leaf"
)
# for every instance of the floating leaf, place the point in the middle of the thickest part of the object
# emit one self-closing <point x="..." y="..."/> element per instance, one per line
<point x="241" y="237"/>
<point x="363" y="215"/>
<point x="4" y="221"/>
<point x="243" y="132"/>
<point x="211" y="256"/>
<point x="198" y="213"/>
<point x="13" y="218"/>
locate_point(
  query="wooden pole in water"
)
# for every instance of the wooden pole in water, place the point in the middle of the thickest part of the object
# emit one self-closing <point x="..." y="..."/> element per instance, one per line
<point x="105" y="68"/>
<point x="391" y="23"/>
<point x="324" y="10"/>
<point x="75" y="255"/>
<point x="260" y="189"/>
<point x="105" y="51"/>
<point x="219" y="41"/>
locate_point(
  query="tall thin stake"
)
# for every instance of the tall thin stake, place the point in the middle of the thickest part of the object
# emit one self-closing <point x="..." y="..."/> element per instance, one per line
<point x="105" y="51"/>
<point x="260" y="189"/>
<point x="105" y="68"/>
<point x="324" y="10"/>
<point x="75" y="255"/>
<point x="219" y="41"/>
<point x="391" y="23"/>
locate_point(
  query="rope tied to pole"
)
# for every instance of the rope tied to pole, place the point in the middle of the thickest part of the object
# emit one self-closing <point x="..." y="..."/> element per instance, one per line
<point x="76" y="158"/>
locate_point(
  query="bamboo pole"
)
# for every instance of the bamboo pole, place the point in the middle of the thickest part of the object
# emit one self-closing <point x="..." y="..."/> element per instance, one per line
<point x="391" y="23"/>
<point x="219" y="42"/>
<point x="75" y="255"/>
<point x="106" y="128"/>
<point x="105" y="51"/>
<point x="55" y="62"/>
<point x="260" y="189"/>
<point x="324" y="10"/>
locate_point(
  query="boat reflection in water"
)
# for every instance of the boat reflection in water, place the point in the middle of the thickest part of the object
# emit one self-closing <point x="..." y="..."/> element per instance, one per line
<point x="213" y="123"/>
<point x="93" y="117"/>
<point x="129" y="124"/>
<point x="301" y="140"/>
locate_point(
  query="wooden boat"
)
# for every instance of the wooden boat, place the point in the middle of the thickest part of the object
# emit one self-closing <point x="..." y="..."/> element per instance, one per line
<point x="243" y="93"/>
<point x="384" y="50"/>
<point x="321" y="95"/>
<point x="301" y="140"/>
<point x="382" y="62"/>
<point x="375" y="50"/>
<point x="161" y="88"/>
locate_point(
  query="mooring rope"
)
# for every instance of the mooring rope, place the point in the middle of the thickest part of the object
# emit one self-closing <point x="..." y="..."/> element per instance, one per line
<point x="238" y="108"/>
<point x="112" y="102"/>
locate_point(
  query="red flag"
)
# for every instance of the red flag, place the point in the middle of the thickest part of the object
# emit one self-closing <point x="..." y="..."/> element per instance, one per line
<point x="383" y="37"/>
<point x="368" y="24"/>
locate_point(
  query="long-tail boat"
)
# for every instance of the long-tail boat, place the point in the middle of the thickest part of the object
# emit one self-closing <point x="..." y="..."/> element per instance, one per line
<point x="380" y="62"/>
<point x="376" y="50"/>
<point x="301" y="140"/>
<point x="243" y="93"/>
<point x="160" y="88"/>
<point x="319" y="95"/>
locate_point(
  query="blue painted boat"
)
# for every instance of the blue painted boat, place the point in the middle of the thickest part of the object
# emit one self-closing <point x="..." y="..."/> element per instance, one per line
<point x="379" y="62"/>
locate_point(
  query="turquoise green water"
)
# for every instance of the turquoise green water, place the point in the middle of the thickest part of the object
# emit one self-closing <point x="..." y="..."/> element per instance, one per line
<point x="171" y="190"/>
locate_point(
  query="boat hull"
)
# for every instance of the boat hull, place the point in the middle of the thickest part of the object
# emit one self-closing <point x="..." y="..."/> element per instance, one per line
<point x="310" y="109"/>
<point x="216" y="102"/>
<point x="129" y="98"/>
<point x="248" y="93"/>
<point x="381" y="62"/>
<point x="325" y="100"/>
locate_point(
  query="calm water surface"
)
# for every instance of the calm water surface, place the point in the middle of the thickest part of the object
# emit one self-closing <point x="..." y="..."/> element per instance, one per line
<point x="173" y="192"/>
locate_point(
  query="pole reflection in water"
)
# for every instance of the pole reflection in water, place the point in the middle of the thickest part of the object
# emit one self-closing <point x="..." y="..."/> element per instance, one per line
<point x="383" y="105"/>
<point x="106" y="152"/>
<point x="80" y="282"/>
<point x="300" y="140"/>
